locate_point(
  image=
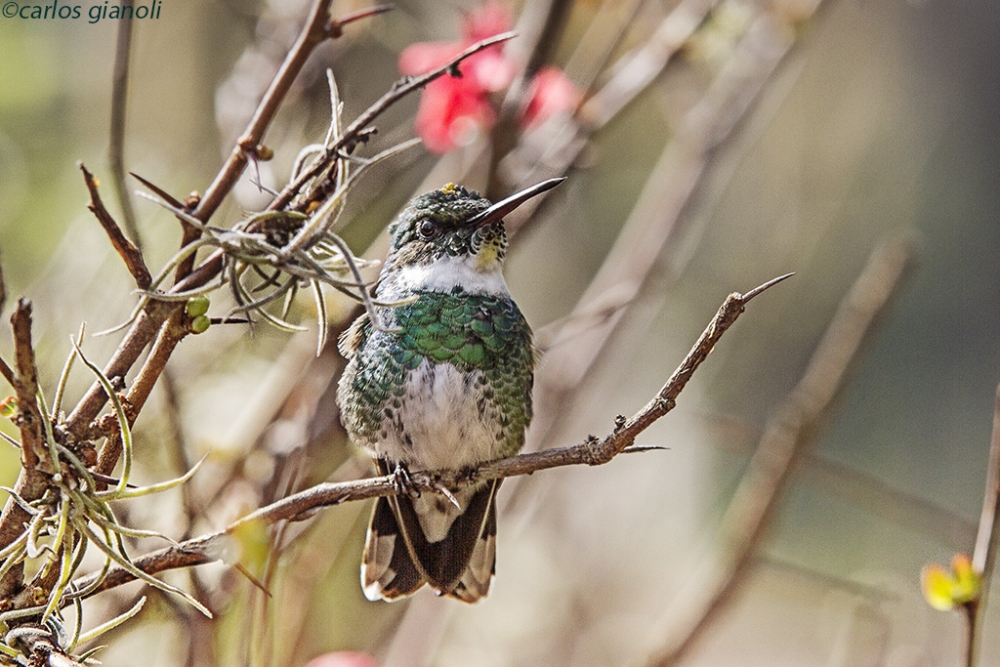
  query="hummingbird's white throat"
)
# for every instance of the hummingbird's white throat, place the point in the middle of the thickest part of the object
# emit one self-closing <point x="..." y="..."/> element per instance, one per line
<point x="466" y="271"/>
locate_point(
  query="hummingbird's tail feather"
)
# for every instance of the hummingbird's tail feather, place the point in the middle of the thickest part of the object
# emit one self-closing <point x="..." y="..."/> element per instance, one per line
<point x="387" y="569"/>
<point x="465" y="554"/>
<point x="476" y="580"/>
<point x="399" y="558"/>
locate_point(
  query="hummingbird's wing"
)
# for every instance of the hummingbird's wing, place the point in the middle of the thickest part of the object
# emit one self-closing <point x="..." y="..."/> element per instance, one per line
<point x="353" y="337"/>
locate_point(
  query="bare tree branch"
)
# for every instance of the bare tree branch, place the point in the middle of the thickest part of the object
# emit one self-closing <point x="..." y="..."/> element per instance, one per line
<point x="129" y="253"/>
<point x="32" y="481"/>
<point x="318" y="28"/>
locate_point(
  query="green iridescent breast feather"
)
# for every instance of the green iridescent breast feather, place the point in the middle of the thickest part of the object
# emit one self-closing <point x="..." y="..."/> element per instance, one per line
<point x="473" y="332"/>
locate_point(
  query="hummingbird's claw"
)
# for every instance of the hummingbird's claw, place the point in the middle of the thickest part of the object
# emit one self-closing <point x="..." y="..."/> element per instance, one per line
<point x="446" y="492"/>
<point x="403" y="482"/>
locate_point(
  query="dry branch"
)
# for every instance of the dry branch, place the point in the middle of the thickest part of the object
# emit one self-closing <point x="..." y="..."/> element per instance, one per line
<point x="129" y="253"/>
<point x="591" y="452"/>
<point x="151" y="320"/>
<point x="116" y="145"/>
<point x="32" y="481"/>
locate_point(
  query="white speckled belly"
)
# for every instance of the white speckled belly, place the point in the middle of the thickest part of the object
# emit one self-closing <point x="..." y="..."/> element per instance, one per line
<point x="442" y="422"/>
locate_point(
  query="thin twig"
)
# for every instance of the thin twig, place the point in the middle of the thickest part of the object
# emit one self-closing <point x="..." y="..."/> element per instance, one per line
<point x="792" y="426"/>
<point x="119" y="105"/>
<point x="400" y="89"/>
<point x="28" y="419"/>
<point x="170" y="336"/>
<point x="593" y="451"/>
<point x="315" y="32"/>
<point x="129" y="253"/>
<point x="32" y="481"/>
<point x="989" y="516"/>
<point x="984" y="554"/>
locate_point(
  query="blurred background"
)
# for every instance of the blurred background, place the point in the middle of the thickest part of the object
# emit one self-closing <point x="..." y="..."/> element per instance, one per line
<point x="719" y="144"/>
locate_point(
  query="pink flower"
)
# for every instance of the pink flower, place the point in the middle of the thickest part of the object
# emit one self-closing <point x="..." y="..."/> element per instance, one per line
<point x="453" y="110"/>
<point x="551" y="93"/>
<point x="343" y="659"/>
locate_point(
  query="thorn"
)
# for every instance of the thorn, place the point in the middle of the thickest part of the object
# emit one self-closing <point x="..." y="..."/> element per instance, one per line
<point x="769" y="284"/>
<point x="444" y="491"/>
<point x="636" y="449"/>
<point x="164" y="195"/>
<point x="253" y="580"/>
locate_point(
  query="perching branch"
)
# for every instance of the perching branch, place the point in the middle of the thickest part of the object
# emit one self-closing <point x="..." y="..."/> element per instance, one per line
<point x="593" y="451"/>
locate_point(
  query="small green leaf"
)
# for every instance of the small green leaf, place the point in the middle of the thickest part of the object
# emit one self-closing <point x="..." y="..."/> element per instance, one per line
<point x="197" y="306"/>
<point x="200" y="324"/>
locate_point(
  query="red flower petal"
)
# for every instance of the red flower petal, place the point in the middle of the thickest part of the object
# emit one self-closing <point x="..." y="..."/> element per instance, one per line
<point x="422" y="57"/>
<point x="449" y="110"/>
<point x="551" y="93"/>
<point x="486" y="21"/>
<point x="453" y="107"/>
<point x="343" y="659"/>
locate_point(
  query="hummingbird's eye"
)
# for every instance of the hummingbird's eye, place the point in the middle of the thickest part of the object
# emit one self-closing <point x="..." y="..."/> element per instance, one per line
<point x="427" y="229"/>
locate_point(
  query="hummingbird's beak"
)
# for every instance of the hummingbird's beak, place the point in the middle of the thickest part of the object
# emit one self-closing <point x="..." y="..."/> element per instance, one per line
<point x="503" y="207"/>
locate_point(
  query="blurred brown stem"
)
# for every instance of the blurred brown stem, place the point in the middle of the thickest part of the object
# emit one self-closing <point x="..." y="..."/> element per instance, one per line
<point x="984" y="555"/>
<point x="116" y="145"/>
<point x="792" y="426"/>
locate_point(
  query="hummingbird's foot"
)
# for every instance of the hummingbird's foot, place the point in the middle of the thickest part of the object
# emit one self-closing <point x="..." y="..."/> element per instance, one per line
<point x="468" y="474"/>
<point x="402" y="481"/>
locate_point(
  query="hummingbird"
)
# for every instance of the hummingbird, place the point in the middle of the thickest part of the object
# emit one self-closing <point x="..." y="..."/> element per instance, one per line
<point x="441" y="382"/>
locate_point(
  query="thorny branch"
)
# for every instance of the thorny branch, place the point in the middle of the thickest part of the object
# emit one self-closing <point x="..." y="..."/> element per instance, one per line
<point x="590" y="452"/>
